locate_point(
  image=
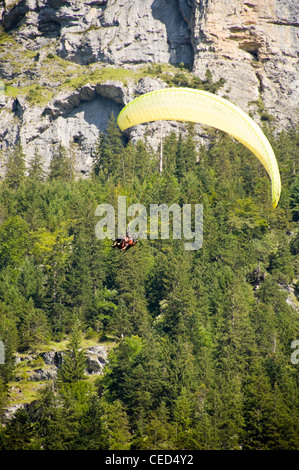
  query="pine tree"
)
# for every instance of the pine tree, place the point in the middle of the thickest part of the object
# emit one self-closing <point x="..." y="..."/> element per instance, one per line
<point x="92" y="433"/>
<point x="16" y="168"/>
<point x="129" y="282"/>
<point x="182" y="414"/>
<point x="78" y="284"/>
<point x="267" y="424"/>
<point x="108" y="160"/>
<point x="280" y="265"/>
<point x="36" y="168"/>
<point x="9" y="338"/>
<point x="119" y="322"/>
<point x="52" y="428"/>
<point x="115" y="425"/>
<point x="73" y="365"/>
<point x="18" y="433"/>
<point x="53" y="250"/>
<point x="294" y="199"/>
<point x="61" y="166"/>
<point x="14" y="241"/>
<point x="159" y="430"/>
<point x="180" y="158"/>
<point x="3" y="398"/>
<point x="228" y="411"/>
<point x="33" y="327"/>
<point x="137" y="367"/>
<point x="179" y="306"/>
<point x="170" y="144"/>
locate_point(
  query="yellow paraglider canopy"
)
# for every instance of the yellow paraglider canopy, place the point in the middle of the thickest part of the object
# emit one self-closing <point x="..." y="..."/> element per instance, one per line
<point x="187" y="104"/>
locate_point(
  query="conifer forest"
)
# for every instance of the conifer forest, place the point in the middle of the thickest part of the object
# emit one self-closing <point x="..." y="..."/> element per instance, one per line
<point x="203" y="344"/>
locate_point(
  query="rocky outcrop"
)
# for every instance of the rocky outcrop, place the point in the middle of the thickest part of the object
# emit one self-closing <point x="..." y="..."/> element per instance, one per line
<point x="41" y="368"/>
<point x="115" y="32"/>
<point x="73" y="119"/>
<point x="96" y="360"/>
<point x="292" y="298"/>
<point x="44" y="365"/>
<point x="252" y="45"/>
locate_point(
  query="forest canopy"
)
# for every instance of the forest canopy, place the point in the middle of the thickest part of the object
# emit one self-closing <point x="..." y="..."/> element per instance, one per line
<point x="201" y="339"/>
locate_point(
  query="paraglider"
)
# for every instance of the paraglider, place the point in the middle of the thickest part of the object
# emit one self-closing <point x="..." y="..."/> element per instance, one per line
<point x="187" y="104"/>
<point x="125" y="242"/>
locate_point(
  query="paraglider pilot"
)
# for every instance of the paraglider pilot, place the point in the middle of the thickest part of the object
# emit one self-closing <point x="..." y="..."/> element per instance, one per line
<point x="125" y="241"/>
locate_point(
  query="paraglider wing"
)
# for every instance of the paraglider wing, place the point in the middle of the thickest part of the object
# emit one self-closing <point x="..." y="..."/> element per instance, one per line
<point x="187" y="104"/>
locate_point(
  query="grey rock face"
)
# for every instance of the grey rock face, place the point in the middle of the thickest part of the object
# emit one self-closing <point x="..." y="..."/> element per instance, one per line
<point x="11" y="411"/>
<point x="43" y="374"/>
<point x="132" y="32"/>
<point x="117" y="32"/>
<point x="252" y="45"/>
<point x="35" y="370"/>
<point x="52" y="358"/>
<point x="74" y="120"/>
<point x="76" y="126"/>
<point x="96" y="359"/>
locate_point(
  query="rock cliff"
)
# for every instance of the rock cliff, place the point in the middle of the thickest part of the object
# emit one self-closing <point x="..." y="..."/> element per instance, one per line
<point x="254" y="46"/>
<point x="35" y="370"/>
<point x="66" y="65"/>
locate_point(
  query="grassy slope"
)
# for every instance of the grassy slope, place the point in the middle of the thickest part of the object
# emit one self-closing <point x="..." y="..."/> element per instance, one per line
<point x="23" y="390"/>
